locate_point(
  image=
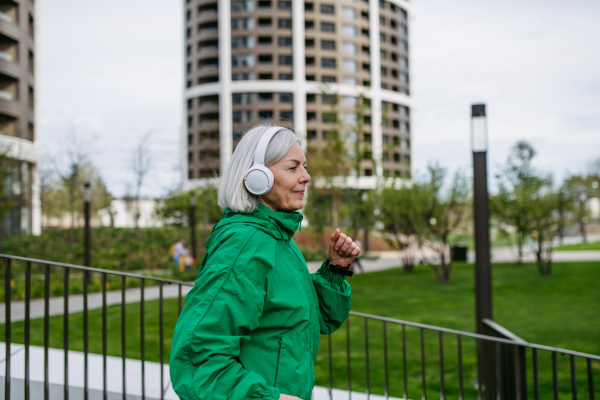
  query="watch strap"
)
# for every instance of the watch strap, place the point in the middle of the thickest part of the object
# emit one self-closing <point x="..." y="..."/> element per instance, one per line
<point x="336" y="269"/>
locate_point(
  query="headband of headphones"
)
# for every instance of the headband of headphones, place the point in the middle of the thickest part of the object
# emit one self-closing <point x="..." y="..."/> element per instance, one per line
<point x="261" y="149"/>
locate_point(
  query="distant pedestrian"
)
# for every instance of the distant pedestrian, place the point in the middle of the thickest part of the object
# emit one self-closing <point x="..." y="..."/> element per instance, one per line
<point x="356" y="261"/>
<point x="182" y="256"/>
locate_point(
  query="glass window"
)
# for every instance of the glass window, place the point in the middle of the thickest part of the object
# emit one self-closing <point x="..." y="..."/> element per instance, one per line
<point x="350" y="119"/>
<point x="382" y="37"/>
<point x="241" y="98"/>
<point x="311" y="98"/>
<point x="285" y="41"/>
<point x="284" y="5"/>
<point x="309" y="7"/>
<point x="245" y="60"/>
<point x="328" y="62"/>
<point x="286" y="97"/>
<point x="242" y="5"/>
<point x="246" y="76"/>
<point x="310" y="61"/>
<point x="350" y="101"/>
<point x="265" y="114"/>
<point x="327" y="9"/>
<point x="328" y="98"/>
<point x="349" y="48"/>
<point x="309" y="43"/>
<point x="383" y="54"/>
<point x="265" y="40"/>
<point x="286" y="77"/>
<point x="403" y="62"/>
<point x="311" y="116"/>
<point x="242" y="42"/>
<point x="383" y="71"/>
<point x="381" y="20"/>
<point x="403" y="45"/>
<point x="350" y="81"/>
<point x="285" y="23"/>
<point x="265" y="97"/>
<point x="349" y="66"/>
<point x="327" y="27"/>
<point x="348" y="30"/>
<point x="348" y="12"/>
<point x="242" y="24"/>
<point x="309" y="25"/>
<point x="285" y="60"/>
<point x="327" y="44"/>
<point x="404" y="77"/>
<point x="265" y="59"/>
<point x="264" y="22"/>
<point x="265" y="76"/>
<point x="242" y="116"/>
<point x="264" y="4"/>
<point x="286" y="115"/>
<point x="328" y="79"/>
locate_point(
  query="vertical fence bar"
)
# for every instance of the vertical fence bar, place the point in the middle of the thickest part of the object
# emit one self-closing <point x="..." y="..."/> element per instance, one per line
<point x="442" y="394"/>
<point x="423" y="380"/>
<point x="368" y="376"/>
<point x="348" y="358"/>
<point x="27" y="325"/>
<point x="123" y="330"/>
<point x="86" y="389"/>
<point x="404" y="372"/>
<point x="330" y="388"/>
<point x="142" y="340"/>
<point x="480" y="382"/>
<point x="104" y="369"/>
<point x="517" y="372"/>
<point x="162" y="339"/>
<point x="66" y="332"/>
<point x="573" y="379"/>
<point x="590" y="379"/>
<point x="554" y="376"/>
<point x="461" y="393"/>
<point x="8" y="327"/>
<point x="385" y="361"/>
<point x="498" y="372"/>
<point x="179" y="300"/>
<point x="46" y="331"/>
<point x="536" y="381"/>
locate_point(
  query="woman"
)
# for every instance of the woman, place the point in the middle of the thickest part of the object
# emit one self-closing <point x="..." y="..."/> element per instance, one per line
<point x="251" y="325"/>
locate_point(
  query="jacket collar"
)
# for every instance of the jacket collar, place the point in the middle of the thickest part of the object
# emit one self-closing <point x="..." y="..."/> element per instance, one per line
<point x="280" y="225"/>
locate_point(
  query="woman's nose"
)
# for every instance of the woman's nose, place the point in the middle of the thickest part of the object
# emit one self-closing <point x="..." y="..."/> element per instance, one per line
<point x="305" y="178"/>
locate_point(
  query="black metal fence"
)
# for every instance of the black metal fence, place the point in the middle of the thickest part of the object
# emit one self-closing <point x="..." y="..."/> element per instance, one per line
<point x="369" y="354"/>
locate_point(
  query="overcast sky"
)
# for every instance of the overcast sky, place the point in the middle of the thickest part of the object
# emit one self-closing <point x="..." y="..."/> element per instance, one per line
<point x="113" y="71"/>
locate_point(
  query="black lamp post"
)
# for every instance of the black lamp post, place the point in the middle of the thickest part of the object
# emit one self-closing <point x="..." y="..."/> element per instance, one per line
<point x="193" y="222"/>
<point x="87" y="198"/>
<point x="583" y="219"/>
<point x="483" y="273"/>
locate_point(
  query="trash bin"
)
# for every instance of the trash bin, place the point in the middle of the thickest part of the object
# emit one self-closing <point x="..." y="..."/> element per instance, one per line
<point x="459" y="252"/>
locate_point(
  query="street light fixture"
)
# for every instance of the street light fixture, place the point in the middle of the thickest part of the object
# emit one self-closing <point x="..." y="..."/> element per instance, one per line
<point x="483" y="275"/>
<point x="87" y="199"/>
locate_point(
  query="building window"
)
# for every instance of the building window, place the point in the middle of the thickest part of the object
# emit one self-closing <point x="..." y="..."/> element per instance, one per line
<point x="285" y="41"/>
<point x="328" y="117"/>
<point x="327" y="9"/>
<point x="350" y="101"/>
<point x="245" y="60"/>
<point x="328" y="62"/>
<point x="328" y="98"/>
<point x="242" y="5"/>
<point x="310" y="78"/>
<point x="286" y="77"/>
<point x="265" y="76"/>
<point x="327" y="45"/>
<point x="348" y="30"/>
<point x="242" y="42"/>
<point x="309" y="25"/>
<point x="348" y="12"/>
<point x="285" y="60"/>
<point x="349" y="66"/>
<point x="286" y="115"/>
<point x="382" y="37"/>
<point x="311" y="134"/>
<point x="327" y="27"/>
<point x="311" y="98"/>
<point x="284" y="5"/>
<point x="397" y="157"/>
<point x="309" y="7"/>
<point x="350" y="81"/>
<point x="286" y="97"/>
<point x="328" y="79"/>
<point x="403" y="62"/>
<point x="383" y="54"/>
<point x="265" y="41"/>
<point x="310" y="61"/>
<point x="265" y="59"/>
<point x="404" y="77"/>
<point x="264" y="23"/>
<point x="311" y="116"/>
<point x="246" y="76"/>
<point x="309" y="43"/>
<point x="241" y="98"/>
<point x="242" y="24"/>
<point x="264" y="4"/>
<point x="265" y="97"/>
<point x="403" y="46"/>
<point x="241" y="116"/>
<point x="285" y="23"/>
<point x="381" y="20"/>
<point x="348" y="48"/>
<point x="368" y="172"/>
<point x="383" y="71"/>
<point x="190" y="174"/>
<point x="350" y="119"/>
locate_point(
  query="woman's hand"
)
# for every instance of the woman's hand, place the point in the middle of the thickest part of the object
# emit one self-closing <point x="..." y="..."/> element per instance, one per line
<point x="288" y="397"/>
<point x="342" y="249"/>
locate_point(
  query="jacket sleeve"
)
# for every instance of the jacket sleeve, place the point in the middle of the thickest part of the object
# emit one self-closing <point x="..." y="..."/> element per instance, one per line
<point x="335" y="299"/>
<point x="229" y="309"/>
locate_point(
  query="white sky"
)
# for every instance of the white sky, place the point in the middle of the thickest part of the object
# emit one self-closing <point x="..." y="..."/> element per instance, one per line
<point x="113" y="70"/>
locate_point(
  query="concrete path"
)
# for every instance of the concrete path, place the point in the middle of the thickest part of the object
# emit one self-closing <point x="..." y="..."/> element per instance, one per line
<point x="132" y="295"/>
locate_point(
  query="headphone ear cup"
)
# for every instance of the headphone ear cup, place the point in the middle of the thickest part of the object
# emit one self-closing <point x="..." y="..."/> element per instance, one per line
<point x="259" y="180"/>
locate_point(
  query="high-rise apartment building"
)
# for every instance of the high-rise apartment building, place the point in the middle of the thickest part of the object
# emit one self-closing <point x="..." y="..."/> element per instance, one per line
<point x="252" y="59"/>
<point x="17" y="117"/>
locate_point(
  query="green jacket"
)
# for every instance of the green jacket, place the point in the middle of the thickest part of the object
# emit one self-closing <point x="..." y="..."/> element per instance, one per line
<point x="251" y="325"/>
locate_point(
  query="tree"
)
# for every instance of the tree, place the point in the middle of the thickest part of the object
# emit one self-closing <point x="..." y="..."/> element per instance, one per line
<point x="444" y="211"/>
<point x="140" y="165"/>
<point x="402" y="216"/>
<point x="174" y="209"/>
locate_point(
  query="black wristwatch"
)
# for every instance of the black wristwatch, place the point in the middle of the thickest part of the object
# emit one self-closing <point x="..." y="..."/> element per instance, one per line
<point x="336" y="269"/>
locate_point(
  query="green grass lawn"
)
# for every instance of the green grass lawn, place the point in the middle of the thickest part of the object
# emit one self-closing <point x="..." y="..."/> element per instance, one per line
<point x="561" y="310"/>
<point x="579" y="246"/>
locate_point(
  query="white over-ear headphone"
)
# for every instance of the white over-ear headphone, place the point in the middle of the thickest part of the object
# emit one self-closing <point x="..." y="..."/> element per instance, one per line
<point x="259" y="179"/>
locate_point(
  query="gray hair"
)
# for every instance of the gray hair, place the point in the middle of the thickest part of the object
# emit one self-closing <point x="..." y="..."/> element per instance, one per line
<point x="232" y="190"/>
